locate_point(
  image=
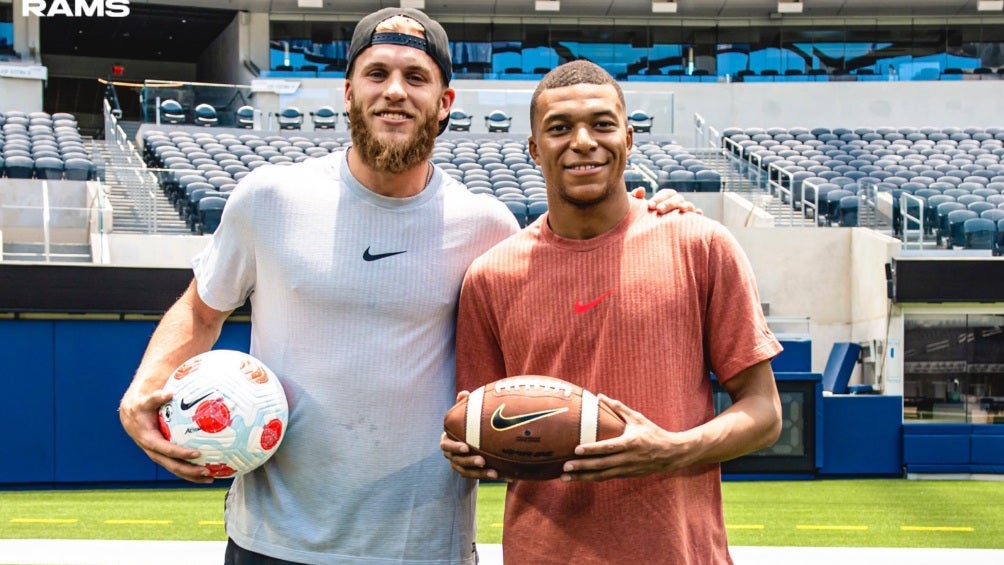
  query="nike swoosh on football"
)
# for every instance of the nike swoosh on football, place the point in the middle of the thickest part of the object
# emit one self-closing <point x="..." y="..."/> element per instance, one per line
<point x="582" y="308"/>
<point x="185" y="405"/>
<point x="502" y="423"/>
<point x="367" y="256"/>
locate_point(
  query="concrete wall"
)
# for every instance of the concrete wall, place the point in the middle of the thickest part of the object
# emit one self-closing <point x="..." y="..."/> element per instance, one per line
<point x="807" y="104"/>
<point x="23" y="94"/>
<point x="140" y="250"/>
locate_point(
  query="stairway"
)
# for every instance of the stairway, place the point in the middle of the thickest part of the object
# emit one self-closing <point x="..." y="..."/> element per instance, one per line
<point x="138" y="203"/>
<point x="734" y="181"/>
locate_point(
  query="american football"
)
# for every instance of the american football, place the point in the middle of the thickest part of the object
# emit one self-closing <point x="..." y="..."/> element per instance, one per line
<point x="526" y="427"/>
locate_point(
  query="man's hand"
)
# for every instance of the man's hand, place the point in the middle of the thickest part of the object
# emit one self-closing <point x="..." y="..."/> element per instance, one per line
<point x="643" y="449"/>
<point x="667" y="200"/>
<point x="459" y="455"/>
<point x="138" y="414"/>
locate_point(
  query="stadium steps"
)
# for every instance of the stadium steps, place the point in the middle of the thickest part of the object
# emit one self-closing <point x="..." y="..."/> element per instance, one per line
<point x="138" y="203"/>
<point x="734" y="181"/>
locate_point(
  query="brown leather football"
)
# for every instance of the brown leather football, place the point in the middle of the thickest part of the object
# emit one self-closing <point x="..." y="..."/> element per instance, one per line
<point x="526" y="427"/>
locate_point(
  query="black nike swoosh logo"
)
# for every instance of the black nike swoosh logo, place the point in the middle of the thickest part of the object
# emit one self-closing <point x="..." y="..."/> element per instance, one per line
<point x="502" y="423"/>
<point x="185" y="405"/>
<point x="367" y="256"/>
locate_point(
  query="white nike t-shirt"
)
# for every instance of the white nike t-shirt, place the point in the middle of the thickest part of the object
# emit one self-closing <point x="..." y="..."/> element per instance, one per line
<point x="353" y="300"/>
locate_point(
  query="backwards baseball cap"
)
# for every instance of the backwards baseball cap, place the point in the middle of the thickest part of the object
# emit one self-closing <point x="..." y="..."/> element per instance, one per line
<point x="435" y="43"/>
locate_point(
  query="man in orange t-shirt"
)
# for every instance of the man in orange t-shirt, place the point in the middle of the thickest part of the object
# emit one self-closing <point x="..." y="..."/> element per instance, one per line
<point x="632" y="305"/>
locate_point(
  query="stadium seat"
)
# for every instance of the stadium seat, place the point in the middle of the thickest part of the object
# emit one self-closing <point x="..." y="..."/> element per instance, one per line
<point x="998" y="248"/>
<point x="324" y="117"/>
<point x="19" y="167"/>
<point x="956" y="222"/>
<point x="290" y="118"/>
<point x="707" y="181"/>
<point x="518" y="209"/>
<point x="839" y="366"/>
<point x="49" y="168"/>
<point x="205" y="115"/>
<point x="847" y="211"/>
<point x="460" y="120"/>
<point x="171" y="112"/>
<point x="641" y="121"/>
<point x="535" y="209"/>
<point x="244" y="117"/>
<point x="210" y="212"/>
<point x="978" y="233"/>
<point x="497" y="121"/>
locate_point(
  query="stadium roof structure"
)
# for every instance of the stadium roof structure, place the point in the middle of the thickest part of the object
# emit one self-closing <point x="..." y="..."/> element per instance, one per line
<point x="614" y="8"/>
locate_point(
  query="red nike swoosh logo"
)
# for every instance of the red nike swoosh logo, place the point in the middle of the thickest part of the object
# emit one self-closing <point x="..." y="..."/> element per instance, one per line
<point x="582" y="308"/>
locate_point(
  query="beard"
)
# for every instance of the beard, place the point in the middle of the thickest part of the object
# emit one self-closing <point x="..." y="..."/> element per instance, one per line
<point x="393" y="156"/>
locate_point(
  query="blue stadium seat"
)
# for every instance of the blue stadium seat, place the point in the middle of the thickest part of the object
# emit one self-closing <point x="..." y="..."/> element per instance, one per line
<point x="978" y="233"/>
<point x="460" y="120"/>
<point x="289" y="118"/>
<point x="641" y="121"/>
<point x="49" y="168"/>
<point x="205" y="115"/>
<point x="324" y="117"/>
<point x="497" y="121"/>
<point x="210" y="210"/>
<point x="171" y="112"/>
<point x="956" y="222"/>
<point x="519" y="210"/>
<point x="244" y="117"/>
<point x="19" y="167"/>
<point x="839" y="366"/>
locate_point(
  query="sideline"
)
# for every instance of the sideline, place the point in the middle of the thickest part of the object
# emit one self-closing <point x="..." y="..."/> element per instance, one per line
<point x="116" y="552"/>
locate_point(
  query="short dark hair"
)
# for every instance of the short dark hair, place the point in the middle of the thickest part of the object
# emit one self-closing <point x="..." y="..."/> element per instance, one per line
<point x="572" y="73"/>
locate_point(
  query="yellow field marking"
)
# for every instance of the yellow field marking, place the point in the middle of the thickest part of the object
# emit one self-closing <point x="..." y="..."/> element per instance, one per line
<point x="134" y="522"/>
<point x="211" y="522"/>
<point x="744" y="526"/>
<point x="836" y="528"/>
<point x="937" y="528"/>
<point x="43" y="520"/>
<point x="497" y="524"/>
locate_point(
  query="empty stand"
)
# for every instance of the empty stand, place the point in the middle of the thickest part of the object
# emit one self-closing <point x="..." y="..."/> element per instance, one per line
<point x="932" y="166"/>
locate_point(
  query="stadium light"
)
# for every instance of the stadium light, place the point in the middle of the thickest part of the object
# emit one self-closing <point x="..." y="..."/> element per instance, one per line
<point x="664" y="6"/>
<point x="789" y="6"/>
<point x="309" y="3"/>
<point x="990" y="5"/>
<point x="416" y="4"/>
<point x="547" y="5"/>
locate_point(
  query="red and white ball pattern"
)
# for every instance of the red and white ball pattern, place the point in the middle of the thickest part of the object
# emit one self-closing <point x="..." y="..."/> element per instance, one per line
<point x="229" y="406"/>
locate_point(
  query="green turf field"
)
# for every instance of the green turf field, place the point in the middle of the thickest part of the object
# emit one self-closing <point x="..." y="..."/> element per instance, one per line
<point x="853" y="513"/>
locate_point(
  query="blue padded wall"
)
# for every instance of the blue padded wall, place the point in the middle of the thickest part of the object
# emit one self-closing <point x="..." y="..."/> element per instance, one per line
<point x="27" y="414"/>
<point x="796" y="357"/>
<point x="65" y="379"/>
<point x="862" y="435"/>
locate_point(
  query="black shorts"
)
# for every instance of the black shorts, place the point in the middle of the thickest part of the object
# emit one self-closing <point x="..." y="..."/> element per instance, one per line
<point x="237" y="555"/>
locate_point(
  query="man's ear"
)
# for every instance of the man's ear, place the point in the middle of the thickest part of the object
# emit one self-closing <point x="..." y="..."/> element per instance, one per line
<point x="446" y="103"/>
<point x="531" y="147"/>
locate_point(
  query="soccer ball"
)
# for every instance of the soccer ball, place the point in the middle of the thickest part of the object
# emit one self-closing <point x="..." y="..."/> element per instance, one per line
<point x="230" y="407"/>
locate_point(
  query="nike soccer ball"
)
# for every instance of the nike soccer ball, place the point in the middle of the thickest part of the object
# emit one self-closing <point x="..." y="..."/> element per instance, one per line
<point x="230" y="407"/>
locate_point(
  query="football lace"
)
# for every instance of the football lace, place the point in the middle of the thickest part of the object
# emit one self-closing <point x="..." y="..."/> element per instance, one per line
<point x="515" y="383"/>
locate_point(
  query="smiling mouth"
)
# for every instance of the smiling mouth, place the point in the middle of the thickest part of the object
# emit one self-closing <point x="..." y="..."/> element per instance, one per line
<point x="393" y="115"/>
<point x="585" y="167"/>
